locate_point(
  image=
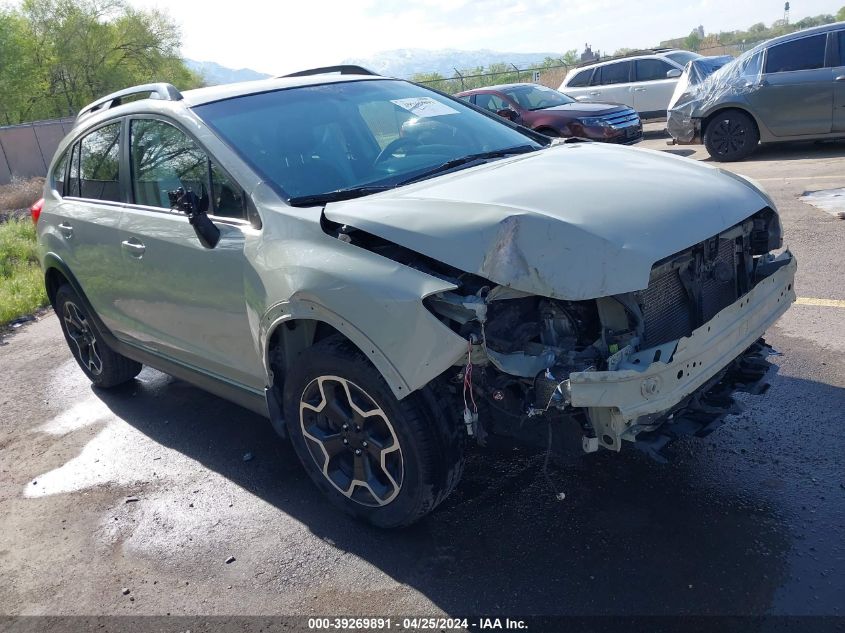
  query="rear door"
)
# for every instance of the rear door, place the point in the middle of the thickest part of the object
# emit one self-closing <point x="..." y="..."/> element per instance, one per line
<point x="652" y="89"/>
<point x="184" y="301"/>
<point x="90" y="215"/>
<point x="611" y="83"/>
<point x="795" y="96"/>
<point x="839" y="81"/>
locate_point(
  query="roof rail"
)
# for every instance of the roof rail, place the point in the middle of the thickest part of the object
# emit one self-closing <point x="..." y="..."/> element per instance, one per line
<point x="343" y="69"/>
<point x="163" y="91"/>
<point x="636" y="53"/>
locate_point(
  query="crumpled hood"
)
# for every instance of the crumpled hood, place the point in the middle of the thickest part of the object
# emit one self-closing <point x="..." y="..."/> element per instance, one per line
<point x="574" y="221"/>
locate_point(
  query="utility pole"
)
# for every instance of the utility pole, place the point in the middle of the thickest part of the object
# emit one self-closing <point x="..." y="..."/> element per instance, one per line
<point x="786" y="13"/>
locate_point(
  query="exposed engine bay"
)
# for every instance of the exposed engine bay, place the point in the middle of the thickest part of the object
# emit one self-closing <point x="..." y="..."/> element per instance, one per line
<point x="523" y="349"/>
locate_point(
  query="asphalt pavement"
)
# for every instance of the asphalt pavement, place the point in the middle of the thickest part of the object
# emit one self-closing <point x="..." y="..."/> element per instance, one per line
<point x="132" y="501"/>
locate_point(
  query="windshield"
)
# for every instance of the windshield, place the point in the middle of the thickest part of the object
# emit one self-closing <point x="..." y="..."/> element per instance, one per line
<point x="536" y="97"/>
<point x="355" y="137"/>
<point x="682" y="57"/>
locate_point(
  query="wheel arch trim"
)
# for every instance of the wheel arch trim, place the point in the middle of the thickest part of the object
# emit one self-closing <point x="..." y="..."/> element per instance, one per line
<point x="307" y="310"/>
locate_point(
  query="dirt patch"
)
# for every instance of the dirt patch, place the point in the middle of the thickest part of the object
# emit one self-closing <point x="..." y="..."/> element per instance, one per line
<point x="18" y="196"/>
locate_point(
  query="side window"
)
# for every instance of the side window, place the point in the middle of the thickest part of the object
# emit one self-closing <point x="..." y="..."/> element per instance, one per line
<point x="618" y="73"/>
<point x="751" y="67"/>
<point x="59" y="174"/>
<point x="491" y="102"/>
<point x="227" y="197"/>
<point x="73" y="176"/>
<point x="99" y="163"/>
<point x="163" y="158"/>
<point x="841" y="35"/>
<point x="580" y="79"/>
<point x="652" y="69"/>
<point x="384" y="121"/>
<point x="804" y="54"/>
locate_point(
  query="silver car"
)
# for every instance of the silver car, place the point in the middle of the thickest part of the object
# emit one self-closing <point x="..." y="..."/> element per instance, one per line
<point x="387" y="272"/>
<point x="791" y="88"/>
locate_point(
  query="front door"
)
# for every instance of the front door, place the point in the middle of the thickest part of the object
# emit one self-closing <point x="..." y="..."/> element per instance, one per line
<point x="184" y="301"/>
<point x="795" y="94"/>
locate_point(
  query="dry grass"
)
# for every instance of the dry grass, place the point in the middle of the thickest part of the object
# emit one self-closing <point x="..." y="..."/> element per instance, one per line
<point x="19" y="195"/>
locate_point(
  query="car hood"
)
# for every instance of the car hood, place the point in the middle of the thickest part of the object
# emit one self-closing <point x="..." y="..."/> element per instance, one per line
<point x="583" y="108"/>
<point x="574" y="221"/>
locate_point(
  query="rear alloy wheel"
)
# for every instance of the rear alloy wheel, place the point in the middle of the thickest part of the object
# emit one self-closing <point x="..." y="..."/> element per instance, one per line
<point x="103" y="366"/>
<point x="383" y="460"/>
<point x="731" y="136"/>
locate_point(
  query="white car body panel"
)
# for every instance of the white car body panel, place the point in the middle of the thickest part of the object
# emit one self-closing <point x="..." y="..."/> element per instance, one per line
<point x="572" y="217"/>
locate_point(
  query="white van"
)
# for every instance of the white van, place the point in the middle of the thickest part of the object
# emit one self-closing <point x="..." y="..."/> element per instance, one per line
<point x="644" y="82"/>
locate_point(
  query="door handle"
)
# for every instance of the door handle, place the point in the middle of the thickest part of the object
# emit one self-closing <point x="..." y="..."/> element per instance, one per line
<point x="639" y="89"/>
<point x="133" y="247"/>
<point x="840" y="78"/>
<point x="595" y="93"/>
<point x="66" y="230"/>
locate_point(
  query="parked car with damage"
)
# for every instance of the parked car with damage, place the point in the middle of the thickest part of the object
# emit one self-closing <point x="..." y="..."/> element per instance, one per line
<point x="387" y="273"/>
<point x="555" y="114"/>
<point x="642" y="80"/>
<point x="791" y="88"/>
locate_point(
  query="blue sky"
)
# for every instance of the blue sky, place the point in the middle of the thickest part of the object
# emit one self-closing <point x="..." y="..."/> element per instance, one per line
<point x="281" y="36"/>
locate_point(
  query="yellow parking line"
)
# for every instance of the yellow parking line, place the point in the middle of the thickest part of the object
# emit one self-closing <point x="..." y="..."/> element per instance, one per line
<point x="827" y="303"/>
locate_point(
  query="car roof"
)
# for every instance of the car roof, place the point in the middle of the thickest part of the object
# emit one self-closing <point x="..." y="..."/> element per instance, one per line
<point x="199" y="96"/>
<point x="815" y="30"/>
<point x="498" y="87"/>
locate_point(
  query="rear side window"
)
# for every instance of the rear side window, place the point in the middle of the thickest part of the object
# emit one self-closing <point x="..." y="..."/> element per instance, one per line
<point x="580" y="79"/>
<point x="652" y="69"/>
<point x="163" y="159"/>
<point x="841" y="35"/>
<point x="491" y="102"/>
<point x="60" y="173"/>
<point x="619" y="73"/>
<point x="804" y="54"/>
<point x="99" y="164"/>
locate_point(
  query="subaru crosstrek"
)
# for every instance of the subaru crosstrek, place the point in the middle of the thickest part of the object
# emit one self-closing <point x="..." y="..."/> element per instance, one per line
<point x="385" y="272"/>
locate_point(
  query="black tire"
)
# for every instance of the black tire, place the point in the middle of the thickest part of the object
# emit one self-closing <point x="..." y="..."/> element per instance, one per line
<point x="730" y="136"/>
<point x="103" y="366"/>
<point x="410" y="450"/>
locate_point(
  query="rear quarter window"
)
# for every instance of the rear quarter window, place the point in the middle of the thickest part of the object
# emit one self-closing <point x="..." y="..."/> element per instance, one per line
<point x="581" y="79"/>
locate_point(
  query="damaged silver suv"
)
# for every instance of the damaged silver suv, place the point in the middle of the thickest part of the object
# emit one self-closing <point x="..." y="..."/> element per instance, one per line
<point x="386" y="272"/>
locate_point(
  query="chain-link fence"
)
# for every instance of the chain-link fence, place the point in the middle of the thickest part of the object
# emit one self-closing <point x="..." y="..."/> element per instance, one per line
<point x="551" y="76"/>
<point x="27" y="149"/>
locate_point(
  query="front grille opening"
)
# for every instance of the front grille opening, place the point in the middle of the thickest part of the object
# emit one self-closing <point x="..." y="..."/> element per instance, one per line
<point x="689" y="294"/>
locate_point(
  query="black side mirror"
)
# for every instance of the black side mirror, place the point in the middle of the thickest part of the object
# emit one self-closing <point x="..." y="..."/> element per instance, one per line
<point x="507" y="113"/>
<point x="189" y="203"/>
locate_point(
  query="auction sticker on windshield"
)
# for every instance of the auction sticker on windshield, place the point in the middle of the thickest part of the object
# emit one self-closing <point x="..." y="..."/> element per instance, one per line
<point x="424" y="106"/>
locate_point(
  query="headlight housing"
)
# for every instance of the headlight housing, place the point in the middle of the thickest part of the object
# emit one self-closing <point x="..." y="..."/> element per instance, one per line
<point x="594" y="122"/>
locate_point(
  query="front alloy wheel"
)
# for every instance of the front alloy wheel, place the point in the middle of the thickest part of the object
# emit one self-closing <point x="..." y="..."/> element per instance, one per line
<point x="384" y="460"/>
<point x="351" y="441"/>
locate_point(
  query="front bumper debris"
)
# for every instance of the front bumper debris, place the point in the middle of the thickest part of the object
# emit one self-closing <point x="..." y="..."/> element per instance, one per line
<point x="642" y="392"/>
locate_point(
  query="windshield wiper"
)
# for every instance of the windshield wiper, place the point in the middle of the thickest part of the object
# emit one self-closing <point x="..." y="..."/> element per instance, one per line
<point x="470" y="158"/>
<point x="338" y="194"/>
<point x="365" y="190"/>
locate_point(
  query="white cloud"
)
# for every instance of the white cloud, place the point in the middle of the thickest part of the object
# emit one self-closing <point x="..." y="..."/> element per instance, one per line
<point x="279" y="37"/>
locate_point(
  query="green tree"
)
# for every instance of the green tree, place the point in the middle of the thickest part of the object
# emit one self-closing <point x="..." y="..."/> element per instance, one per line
<point x="73" y="51"/>
<point x="840" y="15"/>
